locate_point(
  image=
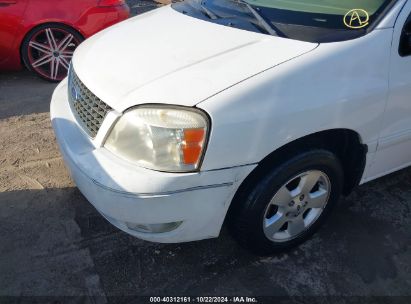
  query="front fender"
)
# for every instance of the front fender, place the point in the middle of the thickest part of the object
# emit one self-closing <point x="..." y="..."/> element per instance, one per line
<point x="337" y="86"/>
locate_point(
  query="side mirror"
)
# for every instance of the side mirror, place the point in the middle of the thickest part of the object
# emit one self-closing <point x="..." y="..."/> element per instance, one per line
<point x="405" y="42"/>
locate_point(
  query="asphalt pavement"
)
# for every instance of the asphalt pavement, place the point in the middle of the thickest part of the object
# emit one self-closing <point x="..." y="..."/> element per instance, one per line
<point x="53" y="243"/>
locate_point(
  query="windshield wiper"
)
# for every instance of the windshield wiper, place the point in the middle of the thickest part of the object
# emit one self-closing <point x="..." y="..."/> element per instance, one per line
<point x="261" y="21"/>
<point x="208" y="12"/>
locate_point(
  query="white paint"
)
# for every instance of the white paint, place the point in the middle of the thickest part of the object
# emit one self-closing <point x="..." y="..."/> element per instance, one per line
<point x="395" y="138"/>
<point x="261" y="93"/>
<point x="190" y="61"/>
<point x="123" y="192"/>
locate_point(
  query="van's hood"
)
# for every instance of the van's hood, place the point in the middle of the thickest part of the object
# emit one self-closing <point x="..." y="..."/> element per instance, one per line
<point x="167" y="57"/>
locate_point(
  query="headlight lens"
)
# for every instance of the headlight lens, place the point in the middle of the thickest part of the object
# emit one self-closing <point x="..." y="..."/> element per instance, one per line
<point x="163" y="139"/>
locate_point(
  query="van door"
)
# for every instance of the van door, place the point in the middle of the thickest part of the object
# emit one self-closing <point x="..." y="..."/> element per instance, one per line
<point x="394" y="147"/>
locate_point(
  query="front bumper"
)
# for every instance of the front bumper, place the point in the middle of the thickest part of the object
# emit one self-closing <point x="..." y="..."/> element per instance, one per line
<point x="125" y="193"/>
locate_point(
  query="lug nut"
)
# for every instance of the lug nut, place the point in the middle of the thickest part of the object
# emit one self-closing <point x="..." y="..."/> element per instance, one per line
<point x="291" y="204"/>
<point x="302" y="197"/>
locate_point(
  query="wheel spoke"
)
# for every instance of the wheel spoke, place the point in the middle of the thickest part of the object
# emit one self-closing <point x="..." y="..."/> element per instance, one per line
<point x="43" y="60"/>
<point x="40" y="47"/>
<point x="65" y="42"/>
<point x="67" y="54"/>
<point x="307" y="183"/>
<point x="64" y="63"/>
<point x="50" y="38"/>
<point x="274" y="224"/>
<point x="317" y="199"/>
<point x="282" y="197"/>
<point x="296" y="226"/>
<point x="54" y="68"/>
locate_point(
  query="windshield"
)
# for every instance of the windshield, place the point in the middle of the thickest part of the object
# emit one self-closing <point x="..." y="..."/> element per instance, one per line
<point x="313" y="21"/>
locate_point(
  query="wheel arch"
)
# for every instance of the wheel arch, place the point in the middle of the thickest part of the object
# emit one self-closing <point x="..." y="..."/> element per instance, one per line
<point x="346" y="144"/>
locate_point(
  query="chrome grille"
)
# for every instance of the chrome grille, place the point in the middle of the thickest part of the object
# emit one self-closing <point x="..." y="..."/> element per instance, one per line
<point x="89" y="110"/>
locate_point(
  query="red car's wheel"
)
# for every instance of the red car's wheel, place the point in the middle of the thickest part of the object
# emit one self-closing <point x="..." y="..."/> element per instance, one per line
<point x="48" y="49"/>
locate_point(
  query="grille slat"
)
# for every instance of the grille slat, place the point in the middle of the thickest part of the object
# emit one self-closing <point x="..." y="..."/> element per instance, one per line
<point x="90" y="111"/>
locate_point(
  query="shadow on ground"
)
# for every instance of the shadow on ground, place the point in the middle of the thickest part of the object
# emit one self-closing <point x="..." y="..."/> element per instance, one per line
<point x="55" y="243"/>
<point x="34" y="98"/>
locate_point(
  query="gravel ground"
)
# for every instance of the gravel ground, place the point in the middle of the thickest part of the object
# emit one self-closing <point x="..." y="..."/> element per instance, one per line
<point x="53" y="243"/>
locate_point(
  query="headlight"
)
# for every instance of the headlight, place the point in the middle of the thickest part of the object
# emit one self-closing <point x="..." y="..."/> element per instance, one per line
<point x="160" y="138"/>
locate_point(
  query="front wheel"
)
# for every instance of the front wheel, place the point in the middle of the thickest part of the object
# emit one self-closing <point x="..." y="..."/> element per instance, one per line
<point x="287" y="204"/>
<point x="47" y="50"/>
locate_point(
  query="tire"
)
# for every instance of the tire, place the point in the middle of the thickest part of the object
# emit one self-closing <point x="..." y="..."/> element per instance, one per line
<point x="47" y="50"/>
<point x="266" y="217"/>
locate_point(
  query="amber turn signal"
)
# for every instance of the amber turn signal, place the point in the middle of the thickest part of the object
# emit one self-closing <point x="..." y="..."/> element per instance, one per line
<point x="193" y="145"/>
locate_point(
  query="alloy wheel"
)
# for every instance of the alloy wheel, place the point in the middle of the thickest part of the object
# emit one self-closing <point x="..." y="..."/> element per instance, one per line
<point x="296" y="206"/>
<point x="50" y="51"/>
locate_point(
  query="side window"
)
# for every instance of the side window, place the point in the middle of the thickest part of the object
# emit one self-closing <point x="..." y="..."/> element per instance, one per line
<point x="405" y="40"/>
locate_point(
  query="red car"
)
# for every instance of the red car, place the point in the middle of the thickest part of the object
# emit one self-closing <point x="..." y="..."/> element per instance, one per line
<point x="42" y="34"/>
